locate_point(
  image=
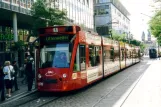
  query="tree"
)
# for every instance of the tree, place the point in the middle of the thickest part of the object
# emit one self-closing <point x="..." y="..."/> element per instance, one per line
<point x="142" y="47"/>
<point x="44" y="15"/>
<point x="122" y="37"/>
<point x="155" y="26"/>
<point x="117" y="36"/>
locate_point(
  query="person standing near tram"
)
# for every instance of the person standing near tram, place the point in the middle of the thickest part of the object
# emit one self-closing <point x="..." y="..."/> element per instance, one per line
<point x="15" y="75"/>
<point x="29" y="73"/>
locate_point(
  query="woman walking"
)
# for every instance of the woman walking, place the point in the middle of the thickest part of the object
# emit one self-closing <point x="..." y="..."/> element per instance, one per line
<point x="8" y="71"/>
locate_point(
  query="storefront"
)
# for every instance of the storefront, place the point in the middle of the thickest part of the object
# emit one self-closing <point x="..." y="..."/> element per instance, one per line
<point x="7" y="44"/>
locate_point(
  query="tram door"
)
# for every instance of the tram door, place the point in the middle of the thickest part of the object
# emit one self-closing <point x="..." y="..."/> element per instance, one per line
<point x="36" y="63"/>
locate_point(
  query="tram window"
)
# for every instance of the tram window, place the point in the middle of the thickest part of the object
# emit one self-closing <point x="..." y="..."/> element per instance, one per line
<point x="82" y="52"/>
<point x="94" y="56"/>
<point x="98" y="49"/>
<point x="55" y="56"/>
<point x="76" y="62"/>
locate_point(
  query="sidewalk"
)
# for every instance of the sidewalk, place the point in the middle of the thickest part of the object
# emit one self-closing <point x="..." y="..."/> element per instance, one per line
<point x="23" y="91"/>
<point x="147" y="92"/>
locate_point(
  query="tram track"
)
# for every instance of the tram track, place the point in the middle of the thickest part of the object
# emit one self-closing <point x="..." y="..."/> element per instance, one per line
<point x="20" y="100"/>
<point x="39" y="102"/>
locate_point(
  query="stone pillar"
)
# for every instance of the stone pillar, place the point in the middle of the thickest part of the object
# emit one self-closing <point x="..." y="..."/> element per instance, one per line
<point x="15" y="34"/>
<point x="15" y="27"/>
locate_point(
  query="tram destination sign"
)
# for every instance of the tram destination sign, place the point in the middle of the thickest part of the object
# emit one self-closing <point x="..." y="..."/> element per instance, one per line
<point x="54" y="39"/>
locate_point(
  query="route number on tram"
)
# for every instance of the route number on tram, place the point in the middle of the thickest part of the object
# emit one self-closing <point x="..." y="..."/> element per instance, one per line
<point x="55" y="29"/>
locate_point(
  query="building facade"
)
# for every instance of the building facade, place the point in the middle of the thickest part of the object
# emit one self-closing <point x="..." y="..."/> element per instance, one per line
<point x="79" y="12"/>
<point x="15" y="23"/>
<point x="111" y="14"/>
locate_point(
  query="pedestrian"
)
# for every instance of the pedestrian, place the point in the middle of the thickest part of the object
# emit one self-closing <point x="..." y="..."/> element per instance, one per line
<point x="2" y="89"/>
<point x="29" y="73"/>
<point x="15" y="67"/>
<point x="24" y="80"/>
<point x="9" y="72"/>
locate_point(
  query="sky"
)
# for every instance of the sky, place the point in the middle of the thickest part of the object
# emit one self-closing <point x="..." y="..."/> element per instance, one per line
<point x="138" y="21"/>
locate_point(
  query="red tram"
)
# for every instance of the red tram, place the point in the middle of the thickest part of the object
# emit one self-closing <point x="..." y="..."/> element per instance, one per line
<point x="70" y="58"/>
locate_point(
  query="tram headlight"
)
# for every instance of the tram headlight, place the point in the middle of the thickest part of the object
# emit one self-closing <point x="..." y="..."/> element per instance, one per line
<point x="64" y="75"/>
<point x="39" y="76"/>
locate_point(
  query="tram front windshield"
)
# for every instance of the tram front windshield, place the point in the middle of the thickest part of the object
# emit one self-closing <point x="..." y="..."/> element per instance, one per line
<point x="57" y="56"/>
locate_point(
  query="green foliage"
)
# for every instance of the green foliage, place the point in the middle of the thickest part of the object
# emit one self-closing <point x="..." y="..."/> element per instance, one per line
<point x="117" y="36"/>
<point x="155" y="25"/>
<point x="142" y="47"/>
<point x="44" y="15"/>
<point x="122" y="37"/>
<point x="135" y="42"/>
<point x="159" y="40"/>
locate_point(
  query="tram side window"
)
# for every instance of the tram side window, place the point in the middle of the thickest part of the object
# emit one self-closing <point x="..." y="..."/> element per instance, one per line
<point x="82" y="52"/>
<point x="76" y="62"/>
<point x="98" y="50"/>
<point x="116" y="55"/>
<point x="122" y="55"/>
<point x="112" y="54"/>
<point x="94" y="56"/>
